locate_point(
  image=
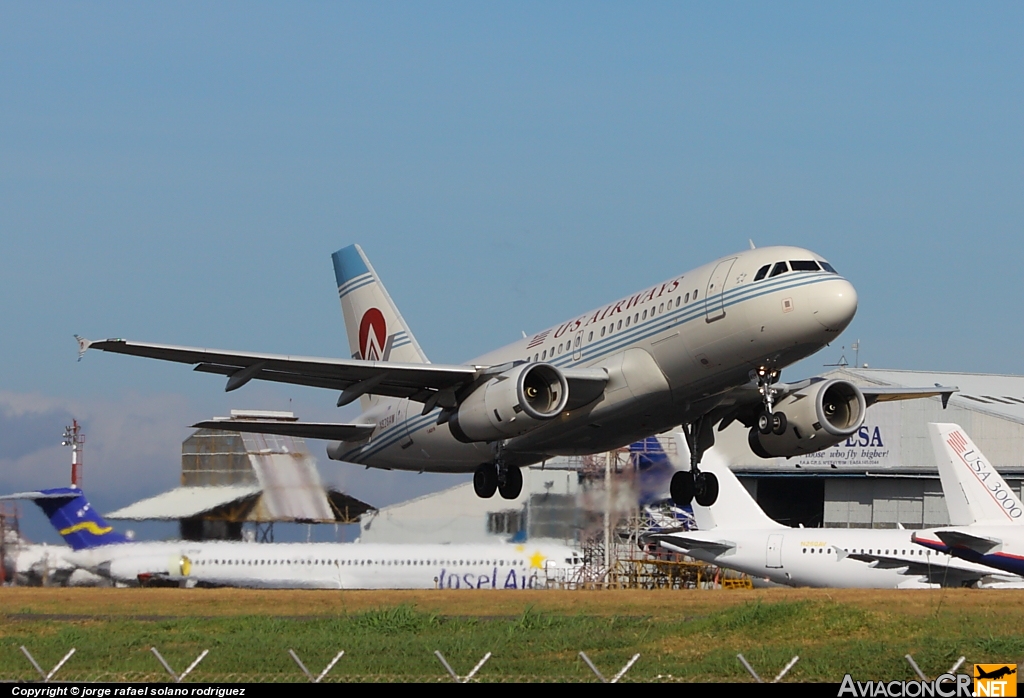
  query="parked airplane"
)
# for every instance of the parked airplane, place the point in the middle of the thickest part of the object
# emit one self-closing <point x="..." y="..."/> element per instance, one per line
<point x="96" y="547"/>
<point x="735" y="532"/>
<point x="985" y="514"/>
<point x="703" y="348"/>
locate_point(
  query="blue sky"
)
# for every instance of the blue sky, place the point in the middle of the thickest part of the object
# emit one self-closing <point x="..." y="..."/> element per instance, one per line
<point x="181" y="173"/>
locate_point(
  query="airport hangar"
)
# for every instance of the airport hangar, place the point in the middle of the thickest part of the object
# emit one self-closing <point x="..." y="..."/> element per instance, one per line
<point x="882" y="477"/>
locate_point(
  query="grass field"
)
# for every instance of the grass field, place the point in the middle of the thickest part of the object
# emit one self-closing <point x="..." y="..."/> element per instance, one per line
<point x="533" y="635"/>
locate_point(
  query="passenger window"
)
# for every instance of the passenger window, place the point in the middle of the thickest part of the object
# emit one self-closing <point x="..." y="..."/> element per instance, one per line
<point x="762" y="272"/>
<point x="645" y="315"/>
<point x="590" y="336"/>
<point x="779" y="268"/>
<point x="804" y="265"/>
<point x="619" y="325"/>
<point x="627" y="321"/>
<point x="544" y="355"/>
<point x="687" y="297"/>
<point x="661" y="308"/>
<point x="678" y="300"/>
<point x="602" y="331"/>
<point x="636" y="318"/>
<point x="694" y="294"/>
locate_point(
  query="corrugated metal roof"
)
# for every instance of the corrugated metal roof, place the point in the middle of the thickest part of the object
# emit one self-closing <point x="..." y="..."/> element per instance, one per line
<point x="184" y="502"/>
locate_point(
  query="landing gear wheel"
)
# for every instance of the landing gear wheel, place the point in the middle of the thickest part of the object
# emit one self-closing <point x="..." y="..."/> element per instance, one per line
<point x="513" y="484"/>
<point x="764" y="422"/>
<point x="681" y="488"/>
<point x="779" y="423"/>
<point x="706" y="486"/>
<point x="485" y="480"/>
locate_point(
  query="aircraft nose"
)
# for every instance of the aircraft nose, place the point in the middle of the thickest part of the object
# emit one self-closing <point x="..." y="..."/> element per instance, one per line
<point x="836" y="305"/>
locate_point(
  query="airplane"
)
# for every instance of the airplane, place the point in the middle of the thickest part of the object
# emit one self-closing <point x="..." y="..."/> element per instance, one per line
<point x="985" y="514"/>
<point x="96" y="547"/>
<point x="701" y="349"/>
<point x="735" y="532"/>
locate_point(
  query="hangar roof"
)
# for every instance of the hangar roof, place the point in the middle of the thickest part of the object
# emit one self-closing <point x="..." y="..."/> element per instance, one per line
<point x="991" y="393"/>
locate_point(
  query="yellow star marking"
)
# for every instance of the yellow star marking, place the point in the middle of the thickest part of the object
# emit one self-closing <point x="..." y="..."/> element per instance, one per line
<point x="537" y="560"/>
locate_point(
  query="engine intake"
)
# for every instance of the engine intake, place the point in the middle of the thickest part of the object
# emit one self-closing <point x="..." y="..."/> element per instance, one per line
<point x="819" y="416"/>
<point x="511" y="403"/>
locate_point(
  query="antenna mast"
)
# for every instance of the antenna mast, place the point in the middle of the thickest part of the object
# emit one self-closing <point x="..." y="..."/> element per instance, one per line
<point x="74" y="438"/>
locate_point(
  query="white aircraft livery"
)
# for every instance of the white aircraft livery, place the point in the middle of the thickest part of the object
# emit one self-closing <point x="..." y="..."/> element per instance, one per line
<point x="986" y="516"/>
<point x="96" y="547"/>
<point x="735" y="532"/>
<point x="700" y="349"/>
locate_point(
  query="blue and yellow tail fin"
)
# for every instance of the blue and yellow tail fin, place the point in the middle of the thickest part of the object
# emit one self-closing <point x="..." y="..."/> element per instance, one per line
<point x="73" y="517"/>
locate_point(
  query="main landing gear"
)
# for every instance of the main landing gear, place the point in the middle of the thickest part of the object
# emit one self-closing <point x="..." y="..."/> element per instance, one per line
<point x="489" y="478"/>
<point x="693" y="485"/>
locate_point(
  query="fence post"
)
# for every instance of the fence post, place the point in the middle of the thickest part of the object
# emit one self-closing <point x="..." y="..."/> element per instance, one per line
<point x="179" y="679"/>
<point x="455" y="677"/>
<point x="615" y="679"/>
<point x="46" y="677"/>
<point x="322" y="673"/>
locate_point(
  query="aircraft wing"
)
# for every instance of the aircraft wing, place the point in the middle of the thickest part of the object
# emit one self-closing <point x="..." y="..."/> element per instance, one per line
<point x="962" y="539"/>
<point x="953" y="572"/>
<point x="685" y="543"/>
<point x="306" y="430"/>
<point x="873" y="394"/>
<point x="432" y="384"/>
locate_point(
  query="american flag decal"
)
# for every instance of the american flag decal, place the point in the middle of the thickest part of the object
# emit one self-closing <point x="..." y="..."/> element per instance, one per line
<point x="957" y="441"/>
<point x="538" y="339"/>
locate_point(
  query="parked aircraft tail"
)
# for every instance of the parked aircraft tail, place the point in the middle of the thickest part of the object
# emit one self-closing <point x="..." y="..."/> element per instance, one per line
<point x="734" y="508"/>
<point x="73" y="517"/>
<point x="375" y="328"/>
<point x="975" y="492"/>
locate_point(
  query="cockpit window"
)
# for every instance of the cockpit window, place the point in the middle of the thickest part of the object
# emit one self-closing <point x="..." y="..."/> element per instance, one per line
<point x="762" y="272"/>
<point x="779" y="268"/>
<point x="804" y="265"/>
<point x="829" y="268"/>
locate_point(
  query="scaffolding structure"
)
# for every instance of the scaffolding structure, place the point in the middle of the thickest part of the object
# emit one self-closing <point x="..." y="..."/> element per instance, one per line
<point x="615" y="555"/>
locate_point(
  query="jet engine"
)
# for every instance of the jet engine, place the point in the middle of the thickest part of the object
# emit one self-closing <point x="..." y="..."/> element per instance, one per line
<point x="816" y="417"/>
<point x="511" y="403"/>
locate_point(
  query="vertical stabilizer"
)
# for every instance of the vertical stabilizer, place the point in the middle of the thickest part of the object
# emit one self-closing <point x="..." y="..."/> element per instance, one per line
<point x="975" y="493"/>
<point x="375" y="328"/>
<point x="734" y="509"/>
<point x="73" y="517"/>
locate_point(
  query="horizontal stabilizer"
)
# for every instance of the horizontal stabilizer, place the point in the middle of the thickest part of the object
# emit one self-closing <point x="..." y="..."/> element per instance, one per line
<point x="307" y="430"/>
<point x="961" y="539"/>
<point x="690" y="542"/>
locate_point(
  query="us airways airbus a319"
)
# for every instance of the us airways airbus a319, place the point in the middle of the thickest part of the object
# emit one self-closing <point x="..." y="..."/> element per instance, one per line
<point x="703" y="348"/>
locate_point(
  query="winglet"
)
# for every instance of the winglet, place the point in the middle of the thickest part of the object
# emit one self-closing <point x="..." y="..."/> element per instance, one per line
<point x="83" y="345"/>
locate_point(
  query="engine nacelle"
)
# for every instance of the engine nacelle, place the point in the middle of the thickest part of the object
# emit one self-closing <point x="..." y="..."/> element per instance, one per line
<point x="819" y="416"/>
<point x="511" y="403"/>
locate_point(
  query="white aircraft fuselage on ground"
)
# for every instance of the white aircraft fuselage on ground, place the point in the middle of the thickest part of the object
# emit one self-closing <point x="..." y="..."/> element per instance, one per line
<point x="735" y="532"/>
<point x="332" y="565"/>
<point x="701" y="347"/>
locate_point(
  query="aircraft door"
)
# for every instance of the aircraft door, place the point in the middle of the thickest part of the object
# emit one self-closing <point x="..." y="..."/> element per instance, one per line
<point x="774" y="551"/>
<point x="714" y="297"/>
<point x="577" y="346"/>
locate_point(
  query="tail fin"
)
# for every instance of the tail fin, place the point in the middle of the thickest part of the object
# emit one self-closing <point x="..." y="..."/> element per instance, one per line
<point x="975" y="492"/>
<point x="735" y="508"/>
<point x="376" y="330"/>
<point x="73" y="517"/>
